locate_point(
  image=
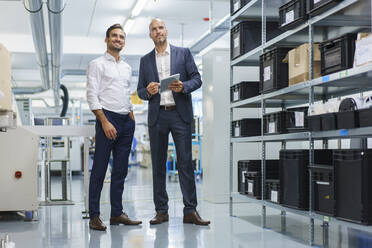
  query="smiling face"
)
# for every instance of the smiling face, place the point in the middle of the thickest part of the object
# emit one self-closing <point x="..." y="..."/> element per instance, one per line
<point x="116" y="40"/>
<point x="158" y="32"/>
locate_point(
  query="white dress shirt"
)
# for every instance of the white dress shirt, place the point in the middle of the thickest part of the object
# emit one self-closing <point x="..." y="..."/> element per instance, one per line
<point x="163" y="65"/>
<point x="108" y="84"/>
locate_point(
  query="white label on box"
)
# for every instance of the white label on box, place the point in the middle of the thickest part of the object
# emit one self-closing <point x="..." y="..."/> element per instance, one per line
<point x="236" y="41"/>
<point x="267" y="73"/>
<point x="289" y="17"/>
<point x="236" y="95"/>
<point x="236" y="5"/>
<point x="243" y="176"/>
<point x="271" y="127"/>
<point x="317" y="1"/>
<point x="299" y="119"/>
<point x="237" y="131"/>
<point x="250" y="187"/>
<point x="274" y="196"/>
<point x="363" y="50"/>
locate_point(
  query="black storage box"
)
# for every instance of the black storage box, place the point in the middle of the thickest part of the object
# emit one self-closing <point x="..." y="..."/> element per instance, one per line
<point x="246" y="127"/>
<point x="273" y="72"/>
<point x="347" y="119"/>
<point x="272" y="171"/>
<point x="316" y="7"/>
<point x="292" y="14"/>
<point x="347" y="115"/>
<point x="243" y="90"/>
<point x="236" y="5"/>
<point x="291" y="120"/>
<point x="253" y="184"/>
<point x="246" y="36"/>
<point x="337" y="54"/>
<point x="294" y="175"/>
<point x="353" y="173"/>
<point x="365" y="117"/>
<point x="323" y="200"/>
<point x="329" y="121"/>
<point x="273" y="190"/>
<point x="314" y="123"/>
<point x="242" y="171"/>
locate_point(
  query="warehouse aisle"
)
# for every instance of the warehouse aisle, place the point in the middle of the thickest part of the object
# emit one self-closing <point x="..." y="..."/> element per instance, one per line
<point x="62" y="226"/>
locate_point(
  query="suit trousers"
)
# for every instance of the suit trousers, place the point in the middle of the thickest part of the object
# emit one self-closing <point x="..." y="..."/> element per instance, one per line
<point x="171" y="122"/>
<point x="120" y="148"/>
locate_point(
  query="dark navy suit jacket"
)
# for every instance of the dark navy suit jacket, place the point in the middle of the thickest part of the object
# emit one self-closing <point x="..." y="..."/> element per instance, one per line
<point x="181" y="62"/>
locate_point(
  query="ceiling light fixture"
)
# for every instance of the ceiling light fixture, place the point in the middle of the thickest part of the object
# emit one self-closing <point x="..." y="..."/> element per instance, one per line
<point x="128" y="25"/>
<point x="136" y="10"/>
<point x="140" y="4"/>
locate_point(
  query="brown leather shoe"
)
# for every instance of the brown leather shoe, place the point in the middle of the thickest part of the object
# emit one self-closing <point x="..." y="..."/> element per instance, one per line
<point x="124" y="219"/>
<point x="159" y="218"/>
<point x="194" y="218"/>
<point x="95" y="223"/>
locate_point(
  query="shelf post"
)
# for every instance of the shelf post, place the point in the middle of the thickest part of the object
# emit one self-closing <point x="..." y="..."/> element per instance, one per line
<point x="311" y="141"/>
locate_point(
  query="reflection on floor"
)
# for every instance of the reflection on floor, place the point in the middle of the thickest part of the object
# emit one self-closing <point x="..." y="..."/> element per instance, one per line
<point x="62" y="226"/>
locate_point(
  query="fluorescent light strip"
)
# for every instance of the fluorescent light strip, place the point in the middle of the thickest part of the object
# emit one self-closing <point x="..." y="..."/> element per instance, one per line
<point x="138" y="7"/>
<point x="128" y="25"/>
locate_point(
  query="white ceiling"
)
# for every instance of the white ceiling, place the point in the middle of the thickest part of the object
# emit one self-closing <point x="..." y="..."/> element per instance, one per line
<point x="84" y="26"/>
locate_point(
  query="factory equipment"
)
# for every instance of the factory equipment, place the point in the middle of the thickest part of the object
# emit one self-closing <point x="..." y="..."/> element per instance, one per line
<point x="57" y="153"/>
<point x="18" y="170"/>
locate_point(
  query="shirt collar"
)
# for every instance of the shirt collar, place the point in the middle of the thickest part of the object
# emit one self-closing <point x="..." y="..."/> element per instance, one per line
<point x="167" y="50"/>
<point x="111" y="58"/>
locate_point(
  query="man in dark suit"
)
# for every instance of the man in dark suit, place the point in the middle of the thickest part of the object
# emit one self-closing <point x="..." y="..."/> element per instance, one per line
<point x="170" y="111"/>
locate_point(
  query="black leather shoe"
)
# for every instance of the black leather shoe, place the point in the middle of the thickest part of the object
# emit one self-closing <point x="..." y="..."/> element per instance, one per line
<point x="159" y="218"/>
<point x="194" y="218"/>
<point x="95" y="223"/>
<point x="123" y="219"/>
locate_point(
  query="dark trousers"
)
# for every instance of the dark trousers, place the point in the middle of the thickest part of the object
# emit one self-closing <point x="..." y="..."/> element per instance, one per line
<point x="170" y="121"/>
<point x="120" y="148"/>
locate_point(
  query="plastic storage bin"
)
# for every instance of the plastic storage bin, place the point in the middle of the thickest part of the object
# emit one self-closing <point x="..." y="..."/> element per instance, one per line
<point x="353" y="173"/>
<point x="337" y="54"/>
<point x="314" y="123"/>
<point x="292" y="14"/>
<point x="245" y="166"/>
<point x="291" y="120"/>
<point x="236" y="5"/>
<point x="323" y="200"/>
<point x="365" y="117"/>
<point x="329" y="121"/>
<point x="347" y="117"/>
<point x="246" y="36"/>
<point x="246" y="127"/>
<point x="316" y="7"/>
<point x="242" y="171"/>
<point x="294" y="175"/>
<point x="273" y="72"/>
<point x="253" y="184"/>
<point x="273" y="190"/>
<point x="243" y="90"/>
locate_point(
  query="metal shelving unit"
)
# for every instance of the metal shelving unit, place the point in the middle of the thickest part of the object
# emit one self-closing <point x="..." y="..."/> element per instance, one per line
<point x="347" y="82"/>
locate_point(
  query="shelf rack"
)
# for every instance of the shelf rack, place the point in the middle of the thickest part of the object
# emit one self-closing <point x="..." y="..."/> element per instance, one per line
<point x="347" y="82"/>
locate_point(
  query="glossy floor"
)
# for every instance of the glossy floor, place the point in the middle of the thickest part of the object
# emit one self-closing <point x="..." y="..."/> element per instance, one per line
<point x="63" y="226"/>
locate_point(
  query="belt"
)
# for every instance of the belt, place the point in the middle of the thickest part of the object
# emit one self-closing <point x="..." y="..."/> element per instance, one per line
<point x="168" y="108"/>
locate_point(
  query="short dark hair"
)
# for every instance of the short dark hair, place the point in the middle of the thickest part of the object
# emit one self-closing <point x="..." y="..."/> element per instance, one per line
<point x="115" y="26"/>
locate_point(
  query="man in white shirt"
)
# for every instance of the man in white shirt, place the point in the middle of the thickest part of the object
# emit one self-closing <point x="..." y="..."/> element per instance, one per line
<point x="108" y="95"/>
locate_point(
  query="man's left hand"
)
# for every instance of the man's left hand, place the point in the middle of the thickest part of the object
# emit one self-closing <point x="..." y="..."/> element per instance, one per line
<point x="176" y="86"/>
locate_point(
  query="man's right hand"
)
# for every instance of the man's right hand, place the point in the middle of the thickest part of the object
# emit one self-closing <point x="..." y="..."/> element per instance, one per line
<point x="153" y="88"/>
<point x="109" y="129"/>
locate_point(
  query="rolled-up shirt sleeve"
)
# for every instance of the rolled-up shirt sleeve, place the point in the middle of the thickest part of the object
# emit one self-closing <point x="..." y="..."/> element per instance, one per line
<point x="93" y="79"/>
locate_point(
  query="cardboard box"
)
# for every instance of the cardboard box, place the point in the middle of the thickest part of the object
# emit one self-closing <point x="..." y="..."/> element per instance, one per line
<point x="298" y="63"/>
<point x="5" y="79"/>
<point x="363" y="49"/>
